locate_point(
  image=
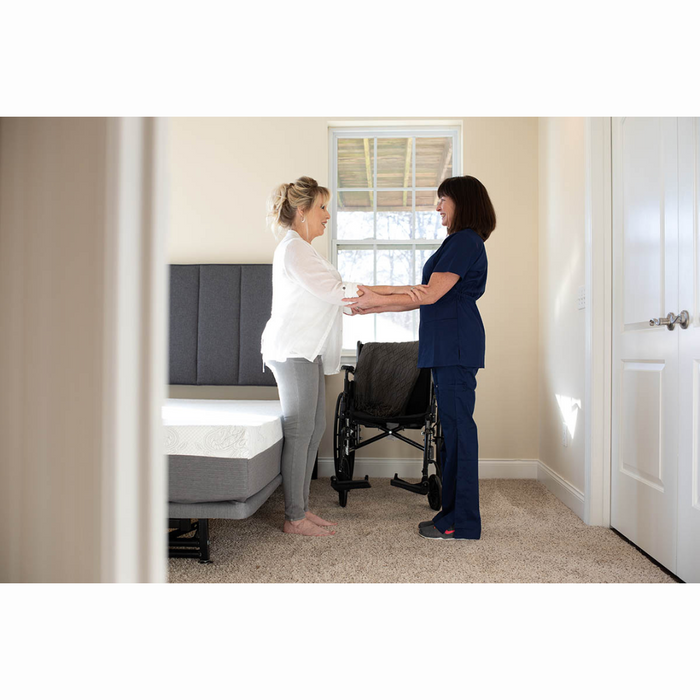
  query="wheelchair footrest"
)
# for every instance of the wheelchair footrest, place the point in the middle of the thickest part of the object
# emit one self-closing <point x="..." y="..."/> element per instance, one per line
<point x="421" y="487"/>
<point x="349" y="485"/>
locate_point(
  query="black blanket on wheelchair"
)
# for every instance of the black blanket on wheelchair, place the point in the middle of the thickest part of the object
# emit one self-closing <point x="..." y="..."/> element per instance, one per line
<point x="384" y="378"/>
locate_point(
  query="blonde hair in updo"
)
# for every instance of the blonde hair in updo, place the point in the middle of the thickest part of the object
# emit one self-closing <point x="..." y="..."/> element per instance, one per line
<point x="284" y="201"/>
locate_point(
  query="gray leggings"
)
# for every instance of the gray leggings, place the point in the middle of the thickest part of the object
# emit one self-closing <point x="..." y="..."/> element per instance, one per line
<point x="302" y="390"/>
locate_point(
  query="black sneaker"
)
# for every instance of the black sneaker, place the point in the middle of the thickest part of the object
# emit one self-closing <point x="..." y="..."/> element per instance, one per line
<point x="424" y="524"/>
<point x="435" y="534"/>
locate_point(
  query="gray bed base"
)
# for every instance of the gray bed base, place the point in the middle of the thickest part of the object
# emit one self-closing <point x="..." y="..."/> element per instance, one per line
<point x="217" y="316"/>
<point x="230" y="510"/>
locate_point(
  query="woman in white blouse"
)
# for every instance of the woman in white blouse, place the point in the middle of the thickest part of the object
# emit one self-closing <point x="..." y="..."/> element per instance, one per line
<point x="303" y="338"/>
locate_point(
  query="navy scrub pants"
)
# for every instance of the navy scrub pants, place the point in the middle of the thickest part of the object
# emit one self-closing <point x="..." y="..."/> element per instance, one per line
<point x="455" y="391"/>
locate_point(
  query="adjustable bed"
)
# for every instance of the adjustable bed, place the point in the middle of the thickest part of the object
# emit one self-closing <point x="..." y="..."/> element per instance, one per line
<point x="223" y="455"/>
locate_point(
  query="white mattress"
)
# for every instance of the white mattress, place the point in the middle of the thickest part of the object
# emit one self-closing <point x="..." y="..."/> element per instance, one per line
<point x="213" y="428"/>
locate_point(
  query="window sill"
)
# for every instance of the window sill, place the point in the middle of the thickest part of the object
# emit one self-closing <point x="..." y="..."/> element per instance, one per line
<point x="348" y="358"/>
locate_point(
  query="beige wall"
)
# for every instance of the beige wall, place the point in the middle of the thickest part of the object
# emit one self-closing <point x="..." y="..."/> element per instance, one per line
<point x="562" y="272"/>
<point x="222" y="171"/>
<point x="51" y="246"/>
<point x="83" y="481"/>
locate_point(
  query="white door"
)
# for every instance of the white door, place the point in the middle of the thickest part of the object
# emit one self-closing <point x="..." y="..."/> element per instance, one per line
<point x="645" y="394"/>
<point x="689" y="353"/>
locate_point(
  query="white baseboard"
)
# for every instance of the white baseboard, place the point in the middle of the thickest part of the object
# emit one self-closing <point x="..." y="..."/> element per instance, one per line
<point x="568" y="494"/>
<point x="411" y="468"/>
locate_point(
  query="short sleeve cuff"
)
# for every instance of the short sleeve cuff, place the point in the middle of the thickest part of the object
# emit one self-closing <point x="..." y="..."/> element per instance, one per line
<point x="453" y="266"/>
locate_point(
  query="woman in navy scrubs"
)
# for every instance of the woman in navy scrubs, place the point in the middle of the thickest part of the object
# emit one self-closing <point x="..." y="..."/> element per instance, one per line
<point x="452" y="344"/>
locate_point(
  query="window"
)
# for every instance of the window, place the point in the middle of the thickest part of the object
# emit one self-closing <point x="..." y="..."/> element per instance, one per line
<point x="383" y="220"/>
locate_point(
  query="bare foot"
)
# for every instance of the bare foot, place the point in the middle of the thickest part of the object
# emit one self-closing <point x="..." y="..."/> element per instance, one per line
<point x="304" y="527"/>
<point x="318" y="521"/>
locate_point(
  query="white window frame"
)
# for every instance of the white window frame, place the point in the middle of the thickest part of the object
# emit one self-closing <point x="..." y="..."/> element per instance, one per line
<point x="375" y="132"/>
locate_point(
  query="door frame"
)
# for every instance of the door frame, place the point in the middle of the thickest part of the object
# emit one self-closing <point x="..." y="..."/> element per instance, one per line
<point x="598" y="321"/>
<point x="134" y="468"/>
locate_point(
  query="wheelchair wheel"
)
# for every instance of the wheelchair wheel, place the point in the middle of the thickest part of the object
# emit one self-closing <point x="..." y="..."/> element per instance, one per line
<point x="344" y="474"/>
<point x="339" y="429"/>
<point x="434" y="492"/>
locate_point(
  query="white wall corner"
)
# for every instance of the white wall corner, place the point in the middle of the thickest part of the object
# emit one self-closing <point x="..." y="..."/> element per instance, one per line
<point x="568" y="494"/>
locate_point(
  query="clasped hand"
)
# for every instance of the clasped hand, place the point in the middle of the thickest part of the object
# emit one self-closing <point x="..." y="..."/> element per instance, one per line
<point x="368" y="301"/>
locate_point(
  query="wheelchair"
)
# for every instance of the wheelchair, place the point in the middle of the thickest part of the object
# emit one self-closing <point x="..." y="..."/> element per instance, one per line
<point x="420" y="414"/>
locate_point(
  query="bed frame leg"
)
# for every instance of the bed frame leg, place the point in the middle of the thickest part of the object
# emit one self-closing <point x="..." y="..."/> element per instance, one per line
<point x="195" y="547"/>
<point x="203" y="531"/>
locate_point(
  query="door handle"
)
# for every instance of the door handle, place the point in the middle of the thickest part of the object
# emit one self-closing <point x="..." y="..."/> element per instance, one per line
<point x="670" y="321"/>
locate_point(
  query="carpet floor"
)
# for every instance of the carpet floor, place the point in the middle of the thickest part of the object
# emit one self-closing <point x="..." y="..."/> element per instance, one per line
<point x="528" y="536"/>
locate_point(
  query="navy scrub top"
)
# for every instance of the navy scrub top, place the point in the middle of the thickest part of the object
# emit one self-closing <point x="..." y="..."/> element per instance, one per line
<point x="451" y="331"/>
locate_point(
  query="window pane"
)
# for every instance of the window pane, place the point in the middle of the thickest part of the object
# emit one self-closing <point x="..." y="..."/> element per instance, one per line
<point x="355" y="201"/>
<point x="395" y="327"/>
<point x="394" y="215"/>
<point x="433" y="161"/>
<point x="356" y="163"/>
<point x="426" y="200"/>
<point x="356" y="266"/>
<point x="394" y="266"/>
<point x="358" y="328"/>
<point x="428" y="223"/>
<point x="422" y="257"/>
<point x="394" y="158"/>
<point x="355" y="212"/>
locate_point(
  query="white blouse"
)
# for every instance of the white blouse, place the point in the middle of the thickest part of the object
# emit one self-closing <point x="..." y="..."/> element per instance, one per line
<point x="307" y="306"/>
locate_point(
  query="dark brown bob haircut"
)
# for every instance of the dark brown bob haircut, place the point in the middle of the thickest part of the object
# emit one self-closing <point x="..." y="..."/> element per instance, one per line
<point x="473" y="208"/>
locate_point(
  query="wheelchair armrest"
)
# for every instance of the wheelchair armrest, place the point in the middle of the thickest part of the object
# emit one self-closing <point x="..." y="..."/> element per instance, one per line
<point x="348" y="368"/>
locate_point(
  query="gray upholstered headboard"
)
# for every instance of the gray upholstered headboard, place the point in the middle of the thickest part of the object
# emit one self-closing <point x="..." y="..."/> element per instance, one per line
<point x="217" y="316"/>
